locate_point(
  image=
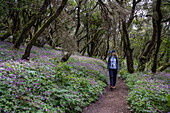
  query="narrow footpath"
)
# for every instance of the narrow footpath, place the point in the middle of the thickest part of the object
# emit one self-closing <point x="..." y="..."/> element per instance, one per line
<point x="112" y="101"/>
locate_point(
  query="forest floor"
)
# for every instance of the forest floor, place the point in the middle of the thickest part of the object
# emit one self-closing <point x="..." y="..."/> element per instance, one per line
<point x="114" y="101"/>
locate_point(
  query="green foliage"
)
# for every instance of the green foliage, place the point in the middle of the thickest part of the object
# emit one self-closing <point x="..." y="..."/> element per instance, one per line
<point x="147" y="92"/>
<point x="67" y="88"/>
<point x="72" y="2"/>
<point x="45" y="85"/>
<point x="123" y="73"/>
<point x="164" y="51"/>
<point x="140" y="34"/>
<point x="168" y="97"/>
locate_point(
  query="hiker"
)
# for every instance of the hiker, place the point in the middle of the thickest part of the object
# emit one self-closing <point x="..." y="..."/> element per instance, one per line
<point x="113" y="67"/>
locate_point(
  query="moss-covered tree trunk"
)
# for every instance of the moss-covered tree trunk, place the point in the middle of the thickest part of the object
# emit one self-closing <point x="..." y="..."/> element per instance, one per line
<point x="154" y="42"/>
<point x="66" y="57"/>
<point x="145" y="56"/>
<point x="15" y="16"/>
<point x="127" y="49"/>
<point x="107" y="46"/>
<point x="78" y="17"/>
<point x="27" y="27"/>
<point x="158" y="18"/>
<point x="125" y="35"/>
<point x="24" y="32"/>
<point x="44" y="26"/>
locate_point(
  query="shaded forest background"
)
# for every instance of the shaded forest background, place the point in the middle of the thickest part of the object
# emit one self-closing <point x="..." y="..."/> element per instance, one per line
<point x="139" y="30"/>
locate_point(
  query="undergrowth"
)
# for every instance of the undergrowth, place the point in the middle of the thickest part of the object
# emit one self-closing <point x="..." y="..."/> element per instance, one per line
<point x="148" y="93"/>
<point x="42" y="84"/>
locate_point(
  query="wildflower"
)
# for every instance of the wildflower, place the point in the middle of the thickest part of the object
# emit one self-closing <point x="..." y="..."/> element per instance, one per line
<point x="47" y="110"/>
<point x="10" y="89"/>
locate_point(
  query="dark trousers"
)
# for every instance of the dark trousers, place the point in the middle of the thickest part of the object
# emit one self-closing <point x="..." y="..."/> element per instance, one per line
<point x="112" y="74"/>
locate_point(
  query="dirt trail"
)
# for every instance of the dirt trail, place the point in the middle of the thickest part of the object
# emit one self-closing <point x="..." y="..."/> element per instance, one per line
<point x="112" y="101"/>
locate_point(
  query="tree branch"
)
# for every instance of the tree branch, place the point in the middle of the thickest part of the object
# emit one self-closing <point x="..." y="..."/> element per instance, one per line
<point x="166" y="20"/>
<point x="132" y="12"/>
<point x="166" y="65"/>
<point x="103" y="4"/>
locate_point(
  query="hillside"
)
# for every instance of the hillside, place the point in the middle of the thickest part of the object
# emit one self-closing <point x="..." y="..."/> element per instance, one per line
<point x="43" y="84"/>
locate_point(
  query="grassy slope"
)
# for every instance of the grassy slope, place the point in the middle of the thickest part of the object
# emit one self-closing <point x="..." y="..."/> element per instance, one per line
<point x="45" y="85"/>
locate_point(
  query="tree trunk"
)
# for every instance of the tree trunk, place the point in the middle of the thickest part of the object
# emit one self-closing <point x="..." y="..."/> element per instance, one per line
<point x="107" y="47"/>
<point x="87" y="30"/>
<point x="158" y="36"/>
<point x="78" y="17"/>
<point x="86" y="46"/>
<point x="126" y="42"/>
<point x="28" y="26"/>
<point x="38" y="33"/>
<point x="66" y="57"/>
<point x="127" y="49"/>
<point x="166" y="65"/>
<point x="78" y="24"/>
<point x="94" y="43"/>
<point x="127" y="46"/>
<point x="24" y="32"/>
<point x="16" y="21"/>
<point x="144" y="58"/>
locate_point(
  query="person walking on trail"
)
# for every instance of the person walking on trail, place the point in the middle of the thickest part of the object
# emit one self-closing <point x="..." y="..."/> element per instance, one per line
<point x="113" y="67"/>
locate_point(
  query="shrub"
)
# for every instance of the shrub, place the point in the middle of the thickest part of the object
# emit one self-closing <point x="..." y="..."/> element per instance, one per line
<point x="147" y="94"/>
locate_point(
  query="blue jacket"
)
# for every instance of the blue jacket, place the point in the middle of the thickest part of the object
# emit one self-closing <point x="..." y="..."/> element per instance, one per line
<point x="109" y="62"/>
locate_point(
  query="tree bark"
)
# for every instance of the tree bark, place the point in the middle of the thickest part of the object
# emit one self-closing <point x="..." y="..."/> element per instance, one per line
<point x="107" y="46"/>
<point x="158" y="34"/>
<point x="15" y="15"/>
<point x="46" y="24"/>
<point x="66" y="57"/>
<point x="28" y="26"/>
<point x="87" y="30"/>
<point x="128" y="51"/>
<point x="78" y="22"/>
<point x="78" y="16"/>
